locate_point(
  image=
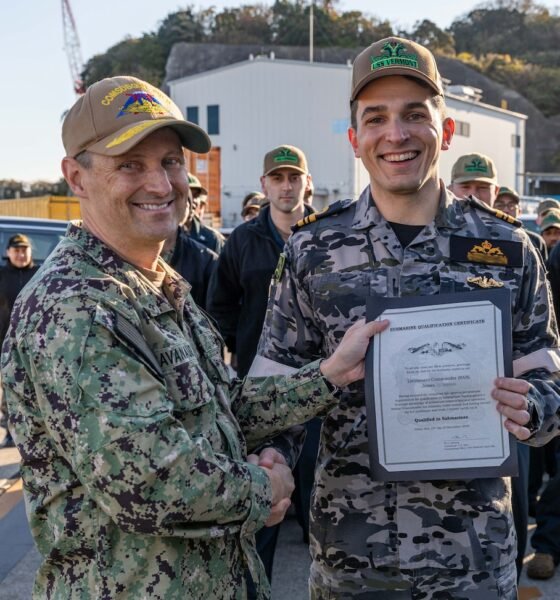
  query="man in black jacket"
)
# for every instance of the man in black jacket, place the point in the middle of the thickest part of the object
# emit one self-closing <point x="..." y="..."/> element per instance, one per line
<point x="238" y="295"/>
<point x="13" y="277"/>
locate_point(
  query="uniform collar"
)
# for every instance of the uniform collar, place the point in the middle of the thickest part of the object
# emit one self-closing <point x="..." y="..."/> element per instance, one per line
<point x="152" y="300"/>
<point x="449" y="214"/>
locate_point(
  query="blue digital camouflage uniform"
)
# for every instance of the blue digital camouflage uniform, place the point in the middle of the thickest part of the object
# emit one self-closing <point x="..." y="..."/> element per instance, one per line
<point x="132" y="458"/>
<point x="332" y="265"/>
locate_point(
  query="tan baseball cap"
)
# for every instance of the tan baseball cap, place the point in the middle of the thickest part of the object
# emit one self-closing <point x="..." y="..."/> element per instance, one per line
<point x="285" y="157"/>
<point x="118" y="112"/>
<point x="395" y="56"/>
<point x="474" y="167"/>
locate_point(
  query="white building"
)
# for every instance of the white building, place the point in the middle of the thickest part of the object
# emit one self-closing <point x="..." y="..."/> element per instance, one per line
<point x="250" y="107"/>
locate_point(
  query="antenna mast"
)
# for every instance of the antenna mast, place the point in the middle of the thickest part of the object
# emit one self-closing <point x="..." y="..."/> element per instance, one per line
<point x="72" y="48"/>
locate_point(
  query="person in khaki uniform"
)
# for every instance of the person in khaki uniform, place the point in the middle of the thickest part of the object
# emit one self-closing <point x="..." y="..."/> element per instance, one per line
<point x="133" y="438"/>
<point x="407" y="235"/>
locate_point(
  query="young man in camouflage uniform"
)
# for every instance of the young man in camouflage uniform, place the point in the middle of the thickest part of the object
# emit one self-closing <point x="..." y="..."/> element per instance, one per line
<point x="402" y="237"/>
<point x="133" y="438"/>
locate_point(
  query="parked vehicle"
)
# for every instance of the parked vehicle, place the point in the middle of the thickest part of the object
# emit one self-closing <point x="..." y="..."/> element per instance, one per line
<point x="43" y="233"/>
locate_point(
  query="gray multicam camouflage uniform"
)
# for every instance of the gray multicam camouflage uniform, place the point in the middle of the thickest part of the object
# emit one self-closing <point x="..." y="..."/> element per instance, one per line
<point x="359" y="525"/>
<point x="123" y="412"/>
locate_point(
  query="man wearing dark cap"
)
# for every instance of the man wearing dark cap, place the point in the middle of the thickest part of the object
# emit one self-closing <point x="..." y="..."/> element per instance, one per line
<point x="239" y="291"/>
<point x="408" y="236"/>
<point x="507" y="200"/>
<point x="550" y="227"/>
<point x="133" y="438"/>
<point x="201" y="233"/>
<point x="13" y="277"/>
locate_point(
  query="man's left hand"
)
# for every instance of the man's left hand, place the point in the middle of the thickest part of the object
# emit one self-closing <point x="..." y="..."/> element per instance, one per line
<point x="511" y="395"/>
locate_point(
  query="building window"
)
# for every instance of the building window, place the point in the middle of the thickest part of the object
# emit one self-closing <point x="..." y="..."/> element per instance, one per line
<point x="192" y="114"/>
<point x="462" y="128"/>
<point x="213" y="114"/>
<point x="515" y="140"/>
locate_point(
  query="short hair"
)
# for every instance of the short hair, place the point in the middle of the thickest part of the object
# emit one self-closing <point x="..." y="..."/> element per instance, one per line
<point x="438" y="102"/>
<point x="84" y="159"/>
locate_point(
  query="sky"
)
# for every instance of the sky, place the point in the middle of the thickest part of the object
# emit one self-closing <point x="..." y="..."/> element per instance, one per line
<point x="36" y="84"/>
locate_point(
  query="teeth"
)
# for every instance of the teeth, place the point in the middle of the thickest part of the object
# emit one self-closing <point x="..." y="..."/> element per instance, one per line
<point x="399" y="157"/>
<point x="153" y="206"/>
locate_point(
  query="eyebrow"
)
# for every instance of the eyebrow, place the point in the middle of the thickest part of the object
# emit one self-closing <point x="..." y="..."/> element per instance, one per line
<point x="377" y="108"/>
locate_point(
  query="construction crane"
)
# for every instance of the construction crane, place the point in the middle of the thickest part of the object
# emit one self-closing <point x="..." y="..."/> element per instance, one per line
<point x="72" y="47"/>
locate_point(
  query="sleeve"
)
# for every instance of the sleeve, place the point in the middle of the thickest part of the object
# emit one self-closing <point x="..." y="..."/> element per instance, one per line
<point x="535" y="349"/>
<point x="225" y="292"/>
<point x="112" y="418"/>
<point x="291" y="336"/>
<point x="266" y="406"/>
<point x="289" y="443"/>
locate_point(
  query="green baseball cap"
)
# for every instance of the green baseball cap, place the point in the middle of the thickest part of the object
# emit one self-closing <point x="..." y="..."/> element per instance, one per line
<point x="474" y="167"/>
<point x="194" y="184"/>
<point x="395" y="56"/>
<point x="547" y="205"/>
<point x="285" y="157"/>
<point x="551" y="219"/>
<point x="506" y="191"/>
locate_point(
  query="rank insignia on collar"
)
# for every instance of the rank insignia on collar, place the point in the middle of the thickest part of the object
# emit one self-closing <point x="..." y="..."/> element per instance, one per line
<point x="503" y="253"/>
<point x="279" y="268"/>
<point x="485" y="282"/>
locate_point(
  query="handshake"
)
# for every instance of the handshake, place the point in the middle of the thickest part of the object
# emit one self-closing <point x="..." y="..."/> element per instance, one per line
<point x="342" y="368"/>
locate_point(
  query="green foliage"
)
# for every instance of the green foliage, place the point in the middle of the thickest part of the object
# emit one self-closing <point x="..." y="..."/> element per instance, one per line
<point x="515" y="42"/>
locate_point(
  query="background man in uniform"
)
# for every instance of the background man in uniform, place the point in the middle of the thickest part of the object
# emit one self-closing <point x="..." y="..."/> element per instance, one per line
<point x="550" y="227"/>
<point x="134" y="466"/>
<point x="429" y="539"/>
<point x="13" y="277"/>
<point x="507" y="200"/>
<point x="239" y="292"/>
<point x="203" y="234"/>
<point x="544" y="206"/>
<point x="192" y="260"/>
<point x="474" y="175"/>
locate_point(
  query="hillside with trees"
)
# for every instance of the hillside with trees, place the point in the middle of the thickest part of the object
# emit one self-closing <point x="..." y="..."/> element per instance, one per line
<point x="508" y="48"/>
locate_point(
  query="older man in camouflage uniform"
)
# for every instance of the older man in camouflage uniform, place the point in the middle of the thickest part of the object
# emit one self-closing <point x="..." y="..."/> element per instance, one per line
<point x="132" y="437"/>
<point x="407" y="235"/>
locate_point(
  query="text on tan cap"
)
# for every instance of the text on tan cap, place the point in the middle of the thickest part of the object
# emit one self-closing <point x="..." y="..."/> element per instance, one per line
<point x="285" y="157"/>
<point x="395" y="56"/>
<point x="117" y="113"/>
<point x="474" y="167"/>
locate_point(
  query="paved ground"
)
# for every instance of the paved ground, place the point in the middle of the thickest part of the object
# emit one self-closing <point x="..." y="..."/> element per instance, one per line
<point x="19" y="559"/>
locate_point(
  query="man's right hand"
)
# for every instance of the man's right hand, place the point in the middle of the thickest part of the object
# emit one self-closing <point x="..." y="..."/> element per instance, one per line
<point x="282" y="483"/>
<point x="346" y="364"/>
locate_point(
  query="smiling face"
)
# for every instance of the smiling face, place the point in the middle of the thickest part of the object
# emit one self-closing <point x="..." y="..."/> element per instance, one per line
<point x="134" y="201"/>
<point x="398" y="136"/>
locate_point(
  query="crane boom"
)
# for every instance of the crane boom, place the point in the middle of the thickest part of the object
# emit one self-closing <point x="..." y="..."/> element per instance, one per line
<point x="72" y="47"/>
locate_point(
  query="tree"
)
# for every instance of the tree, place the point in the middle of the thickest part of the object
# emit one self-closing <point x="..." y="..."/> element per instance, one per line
<point x="428" y="34"/>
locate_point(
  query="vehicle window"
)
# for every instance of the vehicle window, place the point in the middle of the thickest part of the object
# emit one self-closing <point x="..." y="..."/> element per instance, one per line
<point x="43" y="242"/>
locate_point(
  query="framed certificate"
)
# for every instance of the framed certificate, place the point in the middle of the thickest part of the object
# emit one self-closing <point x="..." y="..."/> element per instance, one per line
<point x="428" y="381"/>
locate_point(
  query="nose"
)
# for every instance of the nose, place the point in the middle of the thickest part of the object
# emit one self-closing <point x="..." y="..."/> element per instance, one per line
<point x="158" y="183"/>
<point x="397" y="131"/>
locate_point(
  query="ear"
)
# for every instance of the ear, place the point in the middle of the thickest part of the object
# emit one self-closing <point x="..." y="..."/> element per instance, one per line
<point x="74" y="174"/>
<point x="353" y="138"/>
<point x="308" y="183"/>
<point x="448" y="131"/>
<point x="263" y="186"/>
